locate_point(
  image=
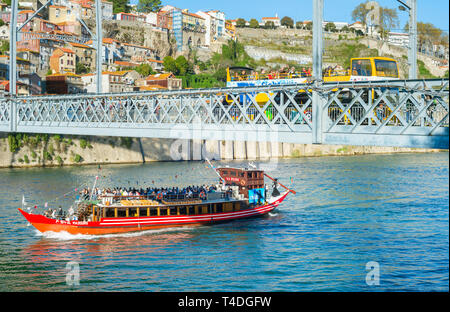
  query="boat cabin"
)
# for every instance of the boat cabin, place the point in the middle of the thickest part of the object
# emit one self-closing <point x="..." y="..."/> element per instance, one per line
<point x="249" y="181"/>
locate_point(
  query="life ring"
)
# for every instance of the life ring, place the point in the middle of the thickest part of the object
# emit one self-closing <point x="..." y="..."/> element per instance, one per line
<point x="202" y="194"/>
<point x="242" y="182"/>
<point x="159" y="196"/>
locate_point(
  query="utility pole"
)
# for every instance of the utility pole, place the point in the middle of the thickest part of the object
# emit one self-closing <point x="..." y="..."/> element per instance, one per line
<point x="13" y="48"/>
<point x="412" y="46"/>
<point x="317" y="71"/>
<point x="317" y="38"/>
<point x="99" y="43"/>
<point x="412" y="50"/>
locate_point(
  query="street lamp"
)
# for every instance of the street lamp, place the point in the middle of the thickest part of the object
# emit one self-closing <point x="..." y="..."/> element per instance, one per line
<point x="412" y="48"/>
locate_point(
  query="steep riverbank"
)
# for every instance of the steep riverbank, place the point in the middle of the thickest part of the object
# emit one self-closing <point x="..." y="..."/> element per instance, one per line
<point x="24" y="150"/>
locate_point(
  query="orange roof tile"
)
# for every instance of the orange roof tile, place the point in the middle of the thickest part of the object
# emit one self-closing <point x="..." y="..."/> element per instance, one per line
<point x="79" y="45"/>
<point x="151" y="87"/>
<point x="67" y="50"/>
<point x="155" y="61"/>
<point x="193" y="14"/>
<point x="159" y="76"/>
<point x="123" y="63"/>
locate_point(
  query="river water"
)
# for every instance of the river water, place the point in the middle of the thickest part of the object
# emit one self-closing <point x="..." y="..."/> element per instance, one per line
<point x="348" y="211"/>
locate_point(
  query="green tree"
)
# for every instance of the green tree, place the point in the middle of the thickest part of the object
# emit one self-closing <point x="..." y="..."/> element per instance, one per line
<point x="254" y="23"/>
<point x="299" y="25"/>
<point x="330" y="27"/>
<point x="428" y="34"/>
<point x="4" y="47"/>
<point x="269" y="25"/>
<point x="81" y="69"/>
<point x="388" y="21"/>
<point x="144" y="70"/>
<point x="359" y="13"/>
<point x="287" y="21"/>
<point x="170" y="65"/>
<point x="309" y="26"/>
<point x="240" y="22"/>
<point x="146" y="6"/>
<point x="120" y="6"/>
<point x="183" y="66"/>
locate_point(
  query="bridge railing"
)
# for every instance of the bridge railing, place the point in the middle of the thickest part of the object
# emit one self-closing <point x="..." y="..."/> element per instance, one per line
<point x="396" y="112"/>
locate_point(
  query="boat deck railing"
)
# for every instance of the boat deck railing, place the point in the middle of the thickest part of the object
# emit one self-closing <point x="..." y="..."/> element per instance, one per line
<point x="110" y="198"/>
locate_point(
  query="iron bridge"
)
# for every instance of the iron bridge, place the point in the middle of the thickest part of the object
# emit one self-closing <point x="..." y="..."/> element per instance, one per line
<point x="402" y="113"/>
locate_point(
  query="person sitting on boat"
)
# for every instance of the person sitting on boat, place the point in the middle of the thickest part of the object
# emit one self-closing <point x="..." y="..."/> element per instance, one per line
<point x="71" y="212"/>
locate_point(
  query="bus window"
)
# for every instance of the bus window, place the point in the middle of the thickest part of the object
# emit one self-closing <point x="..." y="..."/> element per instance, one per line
<point x="386" y="68"/>
<point x="361" y="68"/>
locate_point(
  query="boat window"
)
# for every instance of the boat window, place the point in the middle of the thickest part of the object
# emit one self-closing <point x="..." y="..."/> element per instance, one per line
<point x="109" y="212"/>
<point x="225" y="172"/>
<point x="153" y="212"/>
<point x="191" y="210"/>
<point x="173" y="211"/>
<point x="142" y="212"/>
<point x="121" y="212"/>
<point x="210" y="208"/>
<point x="250" y="174"/>
<point x="133" y="212"/>
<point x="182" y="210"/>
<point x="219" y="207"/>
<point x="233" y="173"/>
<point x="163" y="211"/>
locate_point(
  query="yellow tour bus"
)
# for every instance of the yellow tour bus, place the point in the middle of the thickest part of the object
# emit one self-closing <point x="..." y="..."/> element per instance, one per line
<point x="361" y="69"/>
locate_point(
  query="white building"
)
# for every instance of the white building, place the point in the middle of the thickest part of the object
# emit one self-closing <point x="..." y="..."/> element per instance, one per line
<point x="151" y="18"/>
<point x="107" y="10"/>
<point x="220" y="24"/>
<point x="211" y="27"/>
<point x="339" y="25"/>
<point x="275" y="20"/>
<point x="358" y="26"/>
<point x="4" y="32"/>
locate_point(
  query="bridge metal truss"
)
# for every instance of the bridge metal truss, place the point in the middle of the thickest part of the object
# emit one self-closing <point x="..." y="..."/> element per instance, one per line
<point x="409" y="113"/>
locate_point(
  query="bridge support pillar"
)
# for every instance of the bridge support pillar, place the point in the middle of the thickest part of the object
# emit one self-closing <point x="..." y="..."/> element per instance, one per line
<point x="13" y="115"/>
<point x="317" y="112"/>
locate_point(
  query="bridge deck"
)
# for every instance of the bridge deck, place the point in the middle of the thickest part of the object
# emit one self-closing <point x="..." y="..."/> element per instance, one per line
<point x="408" y="113"/>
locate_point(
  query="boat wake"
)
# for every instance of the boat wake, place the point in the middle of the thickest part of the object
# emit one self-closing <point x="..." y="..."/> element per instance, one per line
<point x="63" y="235"/>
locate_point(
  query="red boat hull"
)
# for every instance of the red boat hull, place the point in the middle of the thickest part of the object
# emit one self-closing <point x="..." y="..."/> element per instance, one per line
<point x="124" y="225"/>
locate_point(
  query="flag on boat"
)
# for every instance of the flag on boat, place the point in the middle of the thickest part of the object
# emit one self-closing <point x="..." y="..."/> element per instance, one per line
<point x="45" y="205"/>
<point x="24" y="203"/>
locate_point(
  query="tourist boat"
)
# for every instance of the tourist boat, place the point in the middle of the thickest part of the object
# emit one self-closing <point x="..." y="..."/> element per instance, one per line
<point x="241" y="193"/>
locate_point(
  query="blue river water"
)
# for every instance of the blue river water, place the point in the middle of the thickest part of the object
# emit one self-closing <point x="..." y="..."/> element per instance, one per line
<point x="348" y="211"/>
